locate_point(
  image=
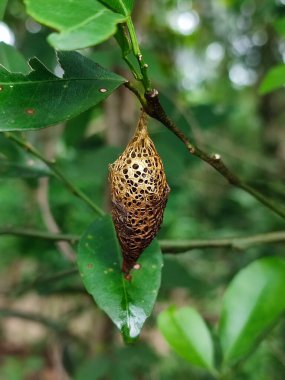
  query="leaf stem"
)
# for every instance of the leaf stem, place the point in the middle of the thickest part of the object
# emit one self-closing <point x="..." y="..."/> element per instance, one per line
<point x="137" y="91"/>
<point x="56" y="171"/>
<point x="167" y="246"/>
<point x="137" y="52"/>
<point x="123" y="38"/>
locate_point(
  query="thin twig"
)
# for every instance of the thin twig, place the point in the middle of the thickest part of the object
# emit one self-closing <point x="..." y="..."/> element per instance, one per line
<point x="167" y="246"/>
<point x="38" y="234"/>
<point x="42" y="196"/>
<point x="41" y="280"/>
<point x="240" y="243"/>
<point x="51" y="324"/>
<point x="151" y="103"/>
<point x="56" y="171"/>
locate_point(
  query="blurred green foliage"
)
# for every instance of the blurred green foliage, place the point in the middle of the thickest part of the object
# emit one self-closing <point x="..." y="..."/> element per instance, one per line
<point x="207" y="58"/>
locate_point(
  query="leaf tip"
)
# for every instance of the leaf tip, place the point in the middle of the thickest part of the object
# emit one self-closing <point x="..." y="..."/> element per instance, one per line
<point x="128" y="337"/>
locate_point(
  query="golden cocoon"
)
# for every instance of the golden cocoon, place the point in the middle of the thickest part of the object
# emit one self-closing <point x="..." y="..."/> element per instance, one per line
<point x="139" y="194"/>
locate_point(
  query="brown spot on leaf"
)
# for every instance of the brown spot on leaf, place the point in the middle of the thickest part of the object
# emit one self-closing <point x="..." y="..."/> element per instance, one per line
<point x="30" y="111"/>
<point x="128" y="277"/>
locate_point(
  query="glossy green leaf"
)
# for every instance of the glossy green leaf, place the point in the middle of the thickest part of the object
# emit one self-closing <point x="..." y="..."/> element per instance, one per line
<point x="121" y="6"/>
<point x="12" y="60"/>
<point x="127" y="303"/>
<point x="3" y="4"/>
<point x="252" y="303"/>
<point x="41" y="99"/>
<point x="273" y="80"/>
<point x="80" y="23"/>
<point x="186" y="332"/>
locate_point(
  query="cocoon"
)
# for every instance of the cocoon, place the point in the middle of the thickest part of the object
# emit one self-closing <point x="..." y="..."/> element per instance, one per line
<point x="139" y="194"/>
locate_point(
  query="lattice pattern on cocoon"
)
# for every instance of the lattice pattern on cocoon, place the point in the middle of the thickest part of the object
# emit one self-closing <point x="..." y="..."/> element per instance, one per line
<point x="139" y="194"/>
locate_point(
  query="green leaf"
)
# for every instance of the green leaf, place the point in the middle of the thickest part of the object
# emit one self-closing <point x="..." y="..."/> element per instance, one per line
<point x="280" y="26"/>
<point x="80" y="23"/>
<point x="3" y="5"/>
<point x="12" y="60"/>
<point x="273" y="80"/>
<point x="188" y="335"/>
<point x="124" y="7"/>
<point x="127" y="303"/>
<point x="41" y="99"/>
<point x="252" y="303"/>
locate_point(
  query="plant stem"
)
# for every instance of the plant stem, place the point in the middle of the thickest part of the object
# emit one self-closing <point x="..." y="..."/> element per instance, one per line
<point x="137" y="52"/>
<point x="239" y="243"/>
<point x="58" y="328"/>
<point x="41" y="280"/>
<point x="31" y="317"/>
<point x="173" y="247"/>
<point x="137" y="91"/>
<point x="151" y="103"/>
<point x="56" y="171"/>
<point x="39" y="234"/>
<point x="123" y="39"/>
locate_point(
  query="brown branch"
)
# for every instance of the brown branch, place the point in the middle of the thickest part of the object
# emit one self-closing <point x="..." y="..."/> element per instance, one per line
<point x="47" y="138"/>
<point x="151" y="103"/>
<point x="48" y="218"/>
<point x="167" y="246"/>
<point x="57" y="327"/>
<point x="23" y="232"/>
<point x="240" y="243"/>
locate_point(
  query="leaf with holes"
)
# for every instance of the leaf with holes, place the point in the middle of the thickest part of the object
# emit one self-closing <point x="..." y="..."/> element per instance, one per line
<point x="252" y="304"/>
<point x="127" y="303"/>
<point x="80" y="23"/>
<point x="41" y="99"/>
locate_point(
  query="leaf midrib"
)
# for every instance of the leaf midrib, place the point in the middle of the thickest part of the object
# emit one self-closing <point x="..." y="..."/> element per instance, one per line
<point x="124" y="8"/>
<point x="84" y="22"/>
<point x="59" y="80"/>
<point x="128" y="312"/>
<point x="175" y="322"/>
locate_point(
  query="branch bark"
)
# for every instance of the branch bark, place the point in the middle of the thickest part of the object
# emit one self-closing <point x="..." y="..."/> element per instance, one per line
<point x="167" y="246"/>
<point x="50" y="324"/>
<point x="151" y="104"/>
